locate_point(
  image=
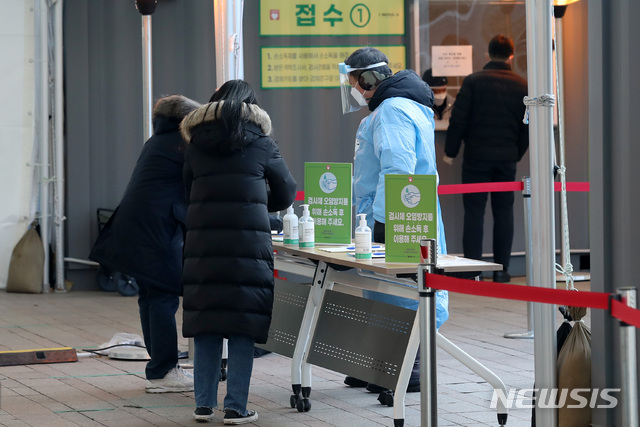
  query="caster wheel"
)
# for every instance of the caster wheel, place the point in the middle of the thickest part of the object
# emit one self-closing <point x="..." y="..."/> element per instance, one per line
<point x="294" y="400"/>
<point x="303" y="405"/>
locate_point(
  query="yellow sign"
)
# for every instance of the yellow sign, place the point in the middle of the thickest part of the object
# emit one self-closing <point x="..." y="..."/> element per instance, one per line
<point x="331" y="17"/>
<point x="306" y="67"/>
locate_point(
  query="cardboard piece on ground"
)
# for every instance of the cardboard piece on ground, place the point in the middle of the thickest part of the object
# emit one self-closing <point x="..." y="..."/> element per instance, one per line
<point x="42" y="355"/>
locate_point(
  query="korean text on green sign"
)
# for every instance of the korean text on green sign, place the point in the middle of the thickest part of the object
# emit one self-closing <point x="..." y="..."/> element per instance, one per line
<point x="331" y="17"/>
<point x="316" y="66"/>
<point x="411" y="215"/>
<point x="327" y="191"/>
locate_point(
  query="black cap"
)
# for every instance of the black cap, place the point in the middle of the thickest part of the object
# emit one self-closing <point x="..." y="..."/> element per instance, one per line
<point x="434" y="81"/>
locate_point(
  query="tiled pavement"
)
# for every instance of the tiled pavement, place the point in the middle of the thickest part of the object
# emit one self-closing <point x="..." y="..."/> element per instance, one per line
<point x="98" y="391"/>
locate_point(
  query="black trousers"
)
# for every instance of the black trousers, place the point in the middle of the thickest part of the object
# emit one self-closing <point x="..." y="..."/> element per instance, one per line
<point x="483" y="171"/>
<point x="158" y="319"/>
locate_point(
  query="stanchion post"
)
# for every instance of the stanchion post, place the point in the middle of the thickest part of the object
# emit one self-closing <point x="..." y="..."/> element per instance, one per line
<point x="526" y="198"/>
<point x="427" y="297"/>
<point x="628" y="364"/>
<point x="146" y="9"/>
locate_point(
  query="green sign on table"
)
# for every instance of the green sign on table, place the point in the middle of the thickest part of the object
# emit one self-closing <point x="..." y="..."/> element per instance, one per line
<point x="411" y="215"/>
<point x="327" y="191"/>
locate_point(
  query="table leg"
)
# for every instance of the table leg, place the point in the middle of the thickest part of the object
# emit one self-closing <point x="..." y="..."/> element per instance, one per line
<point x="300" y="370"/>
<point x="405" y="373"/>
<point x="479" y="369"/>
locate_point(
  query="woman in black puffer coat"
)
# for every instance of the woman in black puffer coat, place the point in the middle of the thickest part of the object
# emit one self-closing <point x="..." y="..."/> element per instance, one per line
<point x="235" y="176"/>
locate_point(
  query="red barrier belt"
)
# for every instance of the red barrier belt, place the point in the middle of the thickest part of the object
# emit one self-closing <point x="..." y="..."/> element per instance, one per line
<point x="491" y="187"/>
<point x="573" y="186"/>
<point x="519" y="292"/>
<point x="625" y="313"/>
<point x="536" y="294"/>
<point x="480" y="188"/>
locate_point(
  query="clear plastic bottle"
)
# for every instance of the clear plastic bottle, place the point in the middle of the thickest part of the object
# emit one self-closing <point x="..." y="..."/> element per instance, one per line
<point x="363" y="239"/>
<point x="290" y="228"/>
<point x="307" y="229"/>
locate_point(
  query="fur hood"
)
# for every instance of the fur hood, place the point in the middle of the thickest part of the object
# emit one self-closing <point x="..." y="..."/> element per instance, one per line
<point x="209" y="113"/>
<point x="169" y="111"/>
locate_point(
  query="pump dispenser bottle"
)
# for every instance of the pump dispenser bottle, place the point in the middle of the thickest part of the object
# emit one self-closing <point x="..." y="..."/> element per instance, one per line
<point x="307" y="229"/>
<point x="290" y="228"/>
<point x="363" y="239"/>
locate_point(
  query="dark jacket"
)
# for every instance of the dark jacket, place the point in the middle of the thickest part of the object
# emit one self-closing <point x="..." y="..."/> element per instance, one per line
<point x="228" y="268"/>
<point x="143" y="238"/>
<point x="487" y="115"/>
<point x="403" y="84"/>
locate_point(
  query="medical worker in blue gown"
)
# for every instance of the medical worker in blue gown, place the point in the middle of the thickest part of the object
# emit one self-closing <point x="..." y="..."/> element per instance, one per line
<point x="397" y="137"/>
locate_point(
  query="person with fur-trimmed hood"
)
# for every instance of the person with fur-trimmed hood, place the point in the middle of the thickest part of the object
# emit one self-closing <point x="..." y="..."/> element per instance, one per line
<point x="235" y="176"/>
<point x="144" y="237"/>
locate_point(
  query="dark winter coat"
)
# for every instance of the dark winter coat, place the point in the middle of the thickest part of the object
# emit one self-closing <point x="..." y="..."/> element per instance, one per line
<point x="143" y="238"/>
<point x="228" y="267"/>
<point x="403" y="84"/>
<point x="487" y="115"/>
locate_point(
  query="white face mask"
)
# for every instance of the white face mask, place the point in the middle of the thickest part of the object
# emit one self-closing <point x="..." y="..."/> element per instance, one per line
<point x="440" y="97"/>
<point x="355" y="93"/>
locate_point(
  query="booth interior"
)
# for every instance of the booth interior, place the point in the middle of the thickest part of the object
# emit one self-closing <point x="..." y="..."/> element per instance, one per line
<point x="100" y="157"/>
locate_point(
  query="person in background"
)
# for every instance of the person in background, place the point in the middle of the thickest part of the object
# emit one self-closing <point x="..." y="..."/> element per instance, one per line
<point x="442" y="101"/>
<point x="487" y="116"/>
<point x="397" y="137"/>
<point x="234" y="176"/>
<point x="144" y="238"/>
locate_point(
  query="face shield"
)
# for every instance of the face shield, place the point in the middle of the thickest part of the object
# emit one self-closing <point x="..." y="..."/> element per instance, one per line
<point x="352" y="99"/>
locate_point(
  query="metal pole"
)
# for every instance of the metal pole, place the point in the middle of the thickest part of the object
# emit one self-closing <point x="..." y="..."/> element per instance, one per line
<point x="526" y="198"/>
<point x="42" y="17"/>
<point x="564" y="249"/>
<point x="539" y="15"/>
<point x="236" y="55"/>
<point x="228" y="40"/>
<point x="59" y="148"/>
<point x="628" y="364"/>
<point x="147" y="87"/>
<point x="415" y="36"/>
<point x="427" y="297"/>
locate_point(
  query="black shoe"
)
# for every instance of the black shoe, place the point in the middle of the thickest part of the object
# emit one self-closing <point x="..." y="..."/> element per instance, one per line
<point x="412" y="387"/>
<point x="386" y="397"/>
<point x="202" y="414"/>
<point x="375" y="388"/>
<point x="501" y="276"/>
<point x="354" y="382"/>
<point x="231" y="416"/>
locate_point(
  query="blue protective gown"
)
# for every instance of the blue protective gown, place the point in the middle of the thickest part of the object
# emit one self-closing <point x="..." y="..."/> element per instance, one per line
<point x="397" y="138"/>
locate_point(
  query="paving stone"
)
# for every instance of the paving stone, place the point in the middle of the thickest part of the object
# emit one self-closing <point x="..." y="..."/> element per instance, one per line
<point x="98" y="391"/>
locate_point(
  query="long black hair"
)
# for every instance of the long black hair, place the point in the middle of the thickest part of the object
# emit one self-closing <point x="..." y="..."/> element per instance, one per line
<point x="234" y="93"/>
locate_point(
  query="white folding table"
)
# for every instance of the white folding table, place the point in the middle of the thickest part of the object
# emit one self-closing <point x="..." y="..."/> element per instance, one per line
<point x="332" y="320"/>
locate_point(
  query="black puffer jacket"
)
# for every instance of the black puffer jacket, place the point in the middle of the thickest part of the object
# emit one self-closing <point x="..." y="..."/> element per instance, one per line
<point x="143" y="238"/>
<point x="228" y="267"/>
<point x="403" y="84"/>
<point x="487" y="115"/>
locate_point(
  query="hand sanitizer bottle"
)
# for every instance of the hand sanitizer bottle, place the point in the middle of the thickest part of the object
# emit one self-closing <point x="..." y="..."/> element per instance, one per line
<point x="290" y="228"/>
<point x="307" y="229"/>
<point x="363" y="239"/>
